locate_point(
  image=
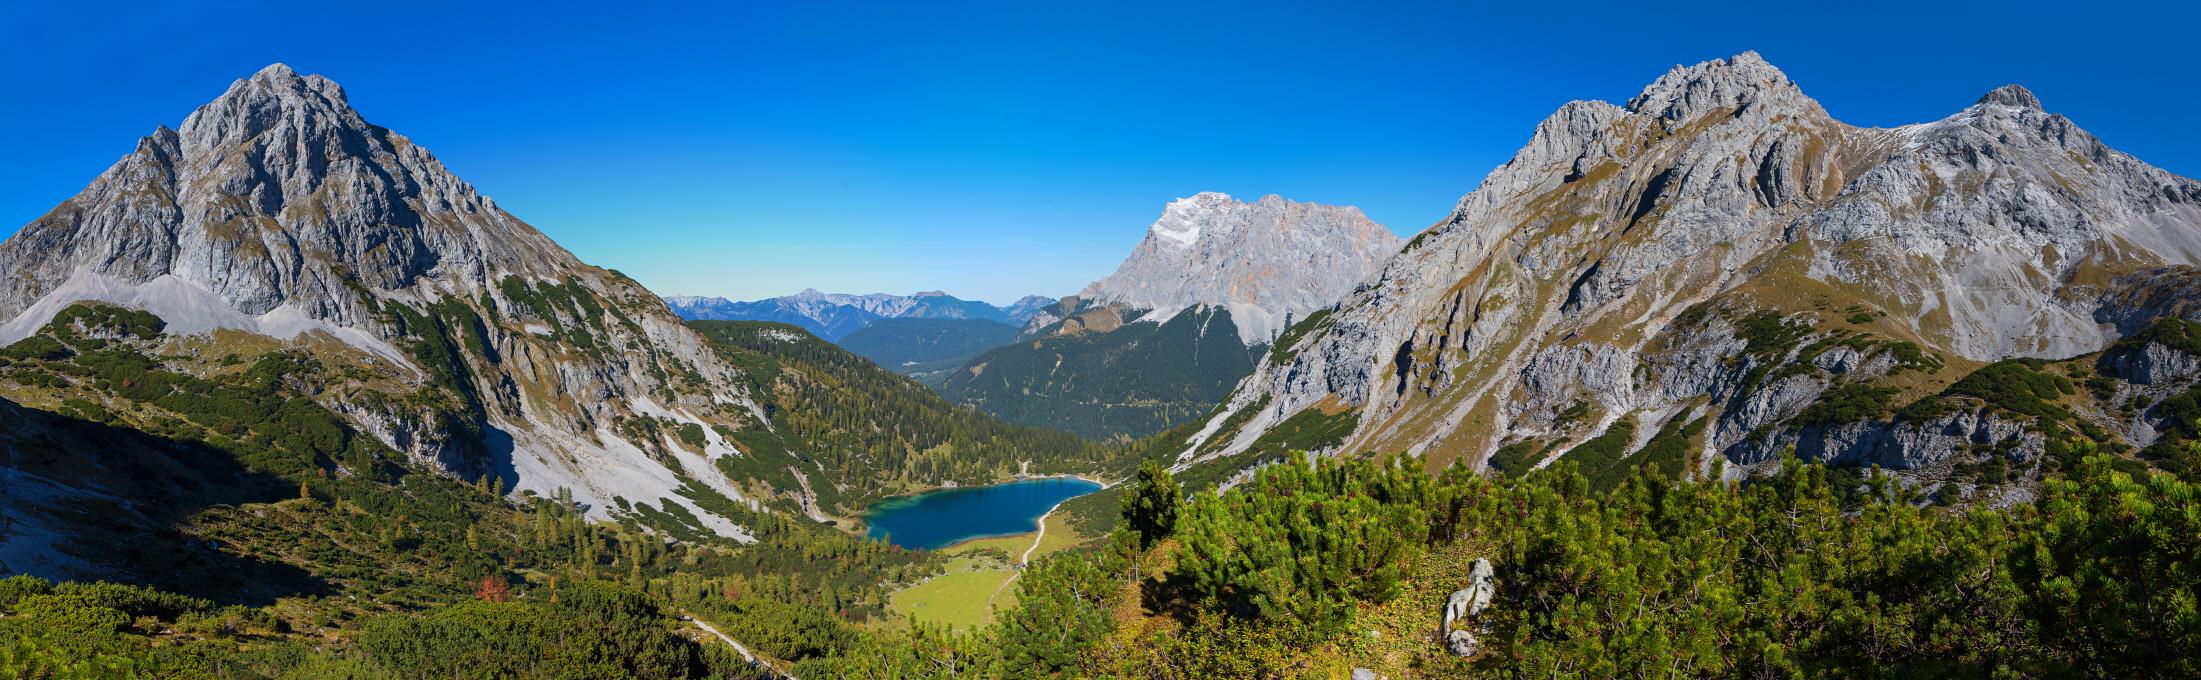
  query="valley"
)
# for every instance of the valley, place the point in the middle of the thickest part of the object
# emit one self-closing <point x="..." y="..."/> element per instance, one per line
<point x="1705" y="383"/>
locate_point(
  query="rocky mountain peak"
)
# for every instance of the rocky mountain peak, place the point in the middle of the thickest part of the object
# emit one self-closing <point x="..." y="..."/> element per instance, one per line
<point x="2011" y="95"/>
<point x="274" y="97"/>
<point x="277" y="209"/>
<point x="1180" y="223"/>
<point x="1592" y="270"/>
<point x="275" y="194"/>
<point x="1266" y="261"/>
<point x="1732" y="84"/>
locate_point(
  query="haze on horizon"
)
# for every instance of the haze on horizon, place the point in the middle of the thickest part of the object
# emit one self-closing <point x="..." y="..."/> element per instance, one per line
<point x="994" y="150"/>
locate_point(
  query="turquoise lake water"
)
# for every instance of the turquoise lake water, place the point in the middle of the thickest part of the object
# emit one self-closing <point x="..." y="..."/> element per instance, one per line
<point x="942" y="518"/>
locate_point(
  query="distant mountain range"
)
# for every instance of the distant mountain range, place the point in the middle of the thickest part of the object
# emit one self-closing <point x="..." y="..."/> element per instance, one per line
<point x="835" y="315"/>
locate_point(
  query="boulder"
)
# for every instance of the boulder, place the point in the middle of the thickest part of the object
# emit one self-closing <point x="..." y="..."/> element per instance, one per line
<point x="1464" y="605"/>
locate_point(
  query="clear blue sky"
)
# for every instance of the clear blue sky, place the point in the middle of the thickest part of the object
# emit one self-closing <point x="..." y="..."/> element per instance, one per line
<point x="998" y="149"/>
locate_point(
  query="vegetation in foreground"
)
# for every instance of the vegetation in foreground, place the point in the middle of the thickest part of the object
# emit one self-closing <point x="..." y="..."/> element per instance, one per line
<point x="1302" y="571"/>
<point x="1311" y="570"/>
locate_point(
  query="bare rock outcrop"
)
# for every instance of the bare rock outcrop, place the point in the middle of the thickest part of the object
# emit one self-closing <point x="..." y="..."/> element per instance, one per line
<point x="1720" y="244"/>
<point x="1465" y="604"/>
<point x="1266" y="261"/>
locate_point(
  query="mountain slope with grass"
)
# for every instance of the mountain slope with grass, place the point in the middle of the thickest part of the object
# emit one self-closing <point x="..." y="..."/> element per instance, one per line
<point x="914" y="346"/>
<point x="401" y="316"/>
<point x="1718" y="271"/>
<point x="837" y="416"/>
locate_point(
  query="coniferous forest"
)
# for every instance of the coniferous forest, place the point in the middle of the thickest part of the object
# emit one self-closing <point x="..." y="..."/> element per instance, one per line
<point x="1304" y="571"/>
<point x="1700" y="379"/>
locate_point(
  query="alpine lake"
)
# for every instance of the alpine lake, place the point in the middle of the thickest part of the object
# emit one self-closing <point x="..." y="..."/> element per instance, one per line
<point x="942" y="518"/>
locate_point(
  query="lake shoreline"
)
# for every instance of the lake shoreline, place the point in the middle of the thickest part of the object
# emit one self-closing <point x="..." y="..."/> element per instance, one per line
<point x="952" y="516"/>
<point x="1104" y="484"/>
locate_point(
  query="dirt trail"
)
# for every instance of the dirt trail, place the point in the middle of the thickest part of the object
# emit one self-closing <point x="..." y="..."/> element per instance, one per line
<point x="1025" y="560"/>
<point x="738" y="647"/>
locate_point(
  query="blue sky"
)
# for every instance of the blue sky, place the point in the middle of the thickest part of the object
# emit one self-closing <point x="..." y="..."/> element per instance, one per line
<point x="998" y="149"/>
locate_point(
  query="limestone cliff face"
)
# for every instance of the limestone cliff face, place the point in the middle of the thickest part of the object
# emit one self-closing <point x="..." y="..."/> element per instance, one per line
<point x="1156" y="343"/>
<point x="277" y="209"/>
<point x="1720" y="248"/>
<point x="276" y="194"/>
<point x="1266" y="261"/>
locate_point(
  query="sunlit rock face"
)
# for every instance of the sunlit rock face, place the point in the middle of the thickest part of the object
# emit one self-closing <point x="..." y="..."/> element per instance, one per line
<point x="1266" y="261"/>
<point x="278" y="209"/>
<point x="1637" y="262"/>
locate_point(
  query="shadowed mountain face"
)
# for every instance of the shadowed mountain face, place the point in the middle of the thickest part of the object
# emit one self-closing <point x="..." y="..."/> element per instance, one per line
<point x="1721" y="262"/>
<point x="147" y="486"/>
<point x="1104" y="376"/>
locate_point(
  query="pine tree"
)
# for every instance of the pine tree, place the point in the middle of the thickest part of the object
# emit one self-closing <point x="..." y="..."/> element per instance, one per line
<point x="1150" y="509"/>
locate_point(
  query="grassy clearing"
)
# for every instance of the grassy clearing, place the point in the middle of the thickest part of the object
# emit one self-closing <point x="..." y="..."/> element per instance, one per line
<point x="957" y="598"/>
<point x="977" y="582"/>
<point x="1011" y="546"/>
<point x="1059" y="537"/>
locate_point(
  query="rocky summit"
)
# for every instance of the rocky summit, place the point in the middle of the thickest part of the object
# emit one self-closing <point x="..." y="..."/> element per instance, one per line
<point x="1266" y="261"/>
<point x="1720" y="266"/>
<point x="279" y="211"/>
<point x="1181" y="320"/>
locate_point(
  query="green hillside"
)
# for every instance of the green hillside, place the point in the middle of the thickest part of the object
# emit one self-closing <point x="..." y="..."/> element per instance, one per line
<point x="876" y="432"/>
<point x="915" y="345"/>
<point x="1127" y="382"/>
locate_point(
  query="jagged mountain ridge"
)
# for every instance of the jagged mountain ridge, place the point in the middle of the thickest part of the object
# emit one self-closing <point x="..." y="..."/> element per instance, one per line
<point x="1266" y="261"/>
<point x="1617" y="268"/>
<point x="835" y="315"/>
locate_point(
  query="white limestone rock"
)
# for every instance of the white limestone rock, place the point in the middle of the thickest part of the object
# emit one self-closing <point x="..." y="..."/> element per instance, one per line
<point x="1568" y="274"/>
<point x="1265" y="261"/>
<point x="1465" y="604"/>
